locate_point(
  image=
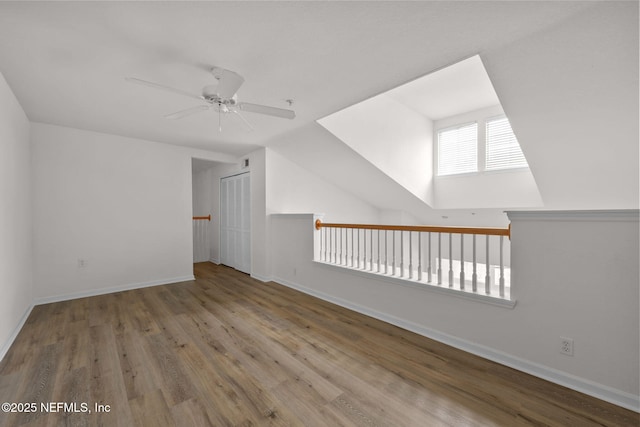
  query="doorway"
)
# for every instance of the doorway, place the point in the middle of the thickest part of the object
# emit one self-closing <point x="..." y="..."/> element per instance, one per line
<point x="235" y="222"/>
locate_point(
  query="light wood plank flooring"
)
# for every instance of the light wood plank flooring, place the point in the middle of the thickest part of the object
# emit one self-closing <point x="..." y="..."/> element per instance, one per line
<point x="227" y="350"/>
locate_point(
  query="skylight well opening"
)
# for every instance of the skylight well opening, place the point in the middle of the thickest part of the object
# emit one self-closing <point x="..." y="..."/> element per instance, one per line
<point x="443" y="137"/>
<point x="475" y="136"/>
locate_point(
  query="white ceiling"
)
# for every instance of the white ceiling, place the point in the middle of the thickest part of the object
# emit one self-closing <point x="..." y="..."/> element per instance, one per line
<point x="66" y="61"/>
<point x="453" y="90"/>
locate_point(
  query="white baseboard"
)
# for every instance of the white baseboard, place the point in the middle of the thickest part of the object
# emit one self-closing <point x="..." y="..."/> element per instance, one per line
<point x="109" y="290"/>
<point x="608" y="394"/>
<point x="7" y="344"/>
<point x="215" y="261"/>
<point x="261" y="278"/>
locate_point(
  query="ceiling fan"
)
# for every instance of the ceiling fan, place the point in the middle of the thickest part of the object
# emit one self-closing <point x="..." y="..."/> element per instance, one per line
<point x="220" y="97"/>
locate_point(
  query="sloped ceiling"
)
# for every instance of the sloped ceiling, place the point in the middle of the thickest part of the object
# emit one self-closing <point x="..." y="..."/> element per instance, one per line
<point x="566" y="73"/>
<point x="455" y="89"/>
<point x="571" y="95"/>
<point x="66" y="61"/>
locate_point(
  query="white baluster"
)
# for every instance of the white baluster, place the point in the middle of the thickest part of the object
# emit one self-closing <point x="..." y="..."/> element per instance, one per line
<point x="474" y="276"/>
<point x="487" y="278"/>
<point x="462" y="262"/>
<point x="410" y="257"/>
<point x="343" y="258"/>
<point x="401" y="253"/>
<point x="343" y="244"/>
<point x="364" y="248"/>
<point x="358" y="250"/>
<point x="371" y="256"/>
<point x="353" y="264"/>
<point x="393" y="268"/>
<point x="451" y="260"/>
<point x="335" y="243"/>
<point x="439" y="258"/>
<point x="335" y="246"/>
<point x="420" y="256"/>
<point x="378" y="251"/>
<point x="429" y="269"/>
<point x="326" y="245"/>
<point x="386" y="253"/>
<point x="501" y="268"/>
<point x="346" y="247"/>
<point x="340" y="247"/>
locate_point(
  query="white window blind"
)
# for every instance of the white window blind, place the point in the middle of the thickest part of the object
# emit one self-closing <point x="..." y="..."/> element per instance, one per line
<point x="503" y="150"/>
<point x="458" y="150"/>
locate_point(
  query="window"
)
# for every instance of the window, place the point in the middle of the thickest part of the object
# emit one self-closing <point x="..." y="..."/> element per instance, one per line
<point x="487" y="144"/>
<point x="458" y="149"/>
<point x="503" y="150"/>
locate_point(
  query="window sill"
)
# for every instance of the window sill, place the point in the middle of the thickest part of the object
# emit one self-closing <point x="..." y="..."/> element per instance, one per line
<point x="481" y="173"/>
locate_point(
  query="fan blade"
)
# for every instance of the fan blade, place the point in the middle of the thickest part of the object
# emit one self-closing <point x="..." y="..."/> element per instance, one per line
<point x="229" y="84"/>
<point x="187" y="112"/>
<point x="162" y="87"/>
<point x="270" y="111"/>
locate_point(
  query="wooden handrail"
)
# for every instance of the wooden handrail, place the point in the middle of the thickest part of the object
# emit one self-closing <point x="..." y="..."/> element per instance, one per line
<point x="208" y="217"/>
<point x="425" y="228"/>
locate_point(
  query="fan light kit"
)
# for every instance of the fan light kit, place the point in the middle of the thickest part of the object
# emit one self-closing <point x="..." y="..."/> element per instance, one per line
<point x="220" y="97"/>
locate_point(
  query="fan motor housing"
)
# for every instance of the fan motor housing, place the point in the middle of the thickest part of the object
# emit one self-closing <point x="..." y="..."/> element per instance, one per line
<point x="210" y="93"/>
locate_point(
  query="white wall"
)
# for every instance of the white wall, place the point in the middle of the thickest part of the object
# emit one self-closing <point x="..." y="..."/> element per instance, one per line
<point x="498" y="189"/>
<point x="123" y="205"/>
<point x="320" y="153"/>
<point x="576" y="275"/>
<point x="397" y="217"/>
<point x="16" y="260"/>
<point x="394" y="138"/>
<point x="260" y="233"/>
<point x="292" y="189"/>
<point x="277" y="186"/>
<point x="564" y="282"/>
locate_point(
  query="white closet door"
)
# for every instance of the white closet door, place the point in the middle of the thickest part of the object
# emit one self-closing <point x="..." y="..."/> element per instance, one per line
<point x="235" y="222"/>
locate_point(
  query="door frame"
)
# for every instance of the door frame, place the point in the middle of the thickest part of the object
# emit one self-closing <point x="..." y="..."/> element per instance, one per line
<point x="249" y="207"/>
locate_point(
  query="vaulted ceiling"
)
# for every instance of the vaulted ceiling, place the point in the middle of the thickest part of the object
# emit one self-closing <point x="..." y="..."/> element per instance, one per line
<point x="67" y="61"/>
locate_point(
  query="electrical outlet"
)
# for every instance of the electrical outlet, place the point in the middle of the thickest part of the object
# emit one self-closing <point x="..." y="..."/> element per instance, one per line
<point x="566" y="346"/>
<point x="82" y="263"/>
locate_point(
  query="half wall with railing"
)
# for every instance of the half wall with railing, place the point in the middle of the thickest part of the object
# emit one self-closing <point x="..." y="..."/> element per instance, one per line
<point x="473" y="261"/>
<point x="201" y="238"/>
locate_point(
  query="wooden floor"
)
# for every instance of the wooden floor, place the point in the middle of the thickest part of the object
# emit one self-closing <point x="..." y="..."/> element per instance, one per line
<point x="226" y="350"/>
